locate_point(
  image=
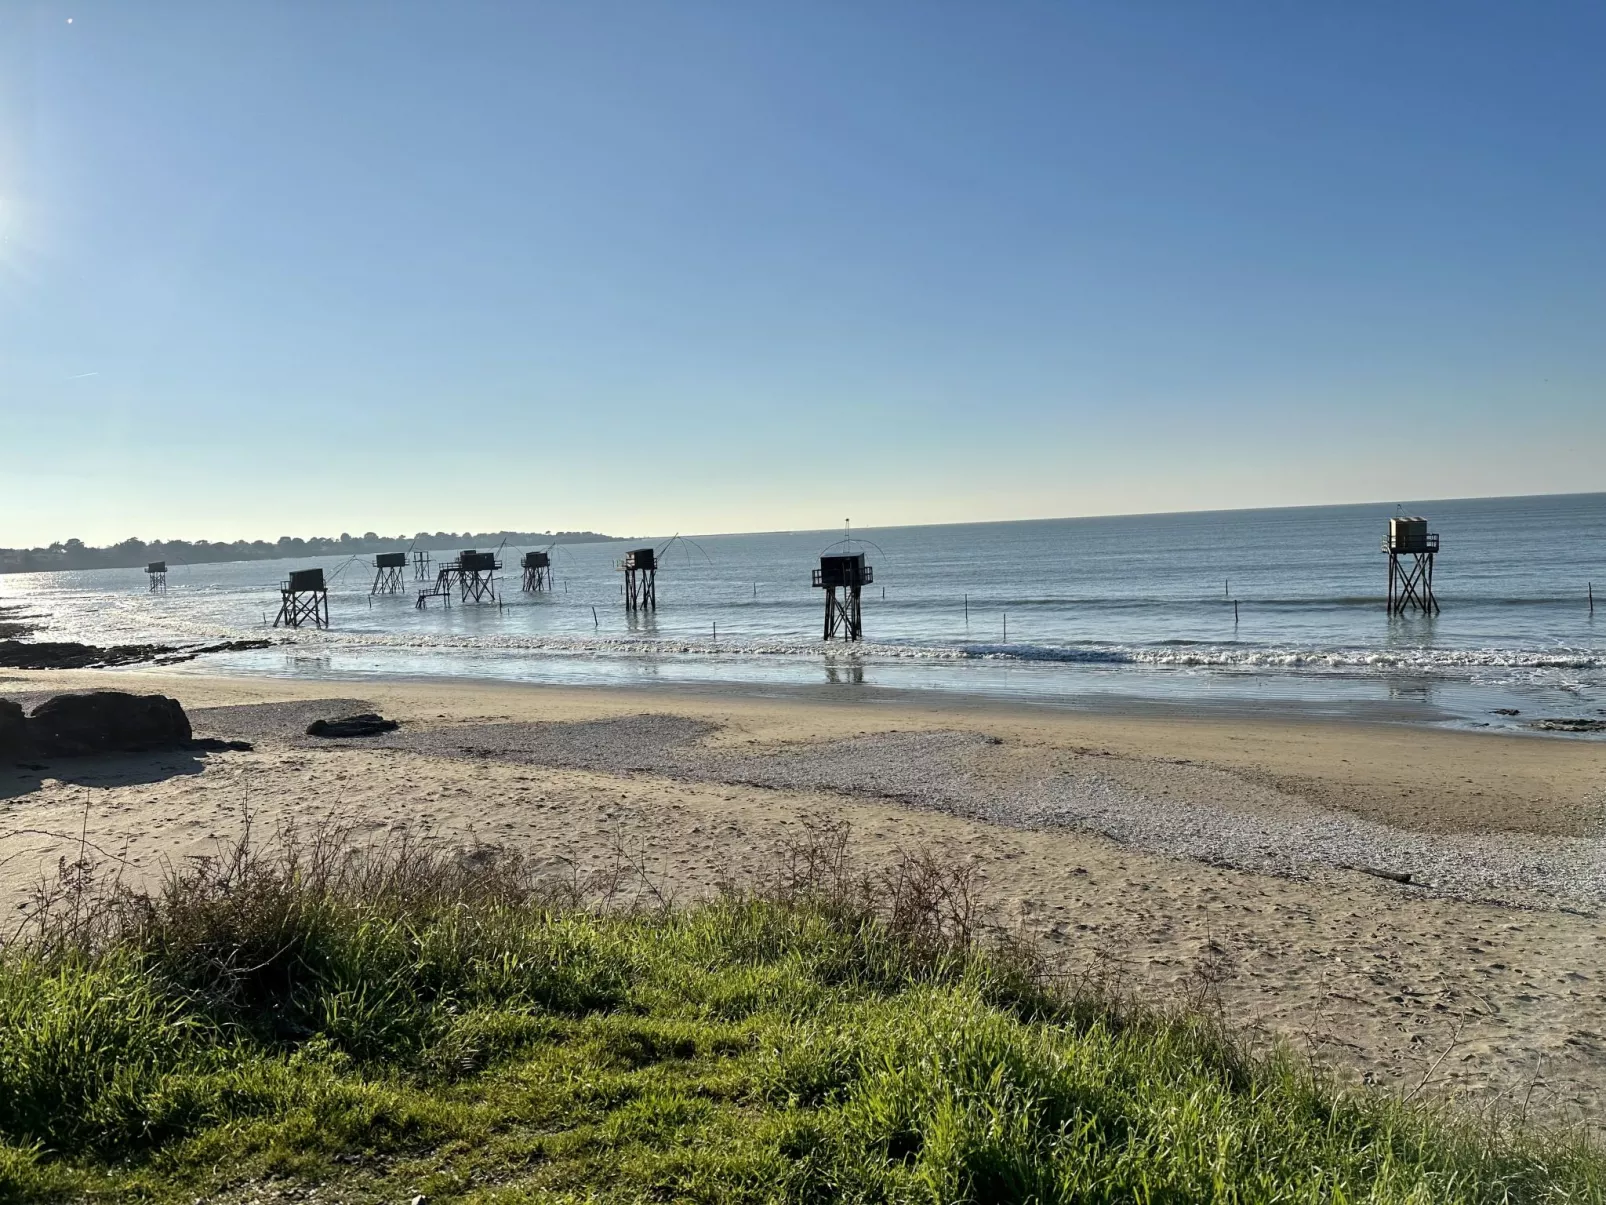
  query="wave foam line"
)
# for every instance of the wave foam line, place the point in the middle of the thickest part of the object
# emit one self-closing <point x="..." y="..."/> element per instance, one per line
<point x="1170" y="656"/>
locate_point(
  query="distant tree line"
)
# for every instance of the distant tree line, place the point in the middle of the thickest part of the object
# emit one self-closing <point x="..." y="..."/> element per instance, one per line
<point x="135" y="553"/>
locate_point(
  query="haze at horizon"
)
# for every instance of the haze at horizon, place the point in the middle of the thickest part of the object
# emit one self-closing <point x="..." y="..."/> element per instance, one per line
<point x="630" y="268"/>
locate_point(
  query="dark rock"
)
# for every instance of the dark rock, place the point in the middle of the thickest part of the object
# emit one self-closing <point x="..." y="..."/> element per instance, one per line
<point x="1570" y="725"/>
<point x="14" y="742"/>
<point x="211" y="744"/>
<point x="366" y="724"/>
<point x="51" y="654"/>
<point x="1394" y="876"/>
<point x="107" y="721"/>
<point x="69" y="654"/>
<point x="1506" y="711"/>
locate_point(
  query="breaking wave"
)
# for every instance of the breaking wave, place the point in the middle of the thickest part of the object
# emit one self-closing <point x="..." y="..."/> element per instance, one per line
<point x="1171" y="654"/>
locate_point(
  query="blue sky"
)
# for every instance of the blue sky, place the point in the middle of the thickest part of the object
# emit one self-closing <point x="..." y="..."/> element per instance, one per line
<point x="299" y="268"/>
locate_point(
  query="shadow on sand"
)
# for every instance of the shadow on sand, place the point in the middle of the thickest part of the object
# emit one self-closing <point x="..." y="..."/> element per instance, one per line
<point x="108" y="770"/>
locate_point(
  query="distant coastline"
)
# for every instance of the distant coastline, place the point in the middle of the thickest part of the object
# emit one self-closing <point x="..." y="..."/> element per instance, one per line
<point x="135" y="553"/>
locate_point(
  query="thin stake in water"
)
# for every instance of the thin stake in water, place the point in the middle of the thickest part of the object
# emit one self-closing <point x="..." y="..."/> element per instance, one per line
<point x="594" y="621"/>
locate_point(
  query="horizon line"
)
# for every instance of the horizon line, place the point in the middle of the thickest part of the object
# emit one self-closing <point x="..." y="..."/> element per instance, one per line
<point x="609" y="539"/>
<point x="1146" y="514"/>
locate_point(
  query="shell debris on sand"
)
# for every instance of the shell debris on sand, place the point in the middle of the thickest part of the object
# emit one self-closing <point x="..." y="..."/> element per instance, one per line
<point x="969" y="774"/>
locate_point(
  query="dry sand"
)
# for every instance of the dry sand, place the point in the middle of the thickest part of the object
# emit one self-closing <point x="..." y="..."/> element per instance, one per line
<point x="1159" y="849"/>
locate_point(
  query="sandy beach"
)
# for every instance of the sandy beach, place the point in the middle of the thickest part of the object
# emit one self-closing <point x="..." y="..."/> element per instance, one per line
<point x="1157" y="851"/>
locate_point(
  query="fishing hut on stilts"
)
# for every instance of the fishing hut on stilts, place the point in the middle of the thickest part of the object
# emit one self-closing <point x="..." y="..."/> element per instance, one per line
<point x="640" y="568"/>
<point x="537" y="572"/>
<point x="388" y="568"/>
<point x="157" y="572"/>
<point x="474" y="574"/>
<point x="843" y="579"/>
<point x="306" y="600"/>
<point x="1411" y="548"/>
<point x="421" y="571"/>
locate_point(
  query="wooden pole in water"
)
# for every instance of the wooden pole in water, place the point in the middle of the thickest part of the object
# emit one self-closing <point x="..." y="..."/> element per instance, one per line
<point x="716" y="631"/>
<point x="1591" y="598"/>
<point x="1006" y="627"/>
<point x="967" y="610"/>
<point x="1235" y="612"/>
<point x="594" y="620"/>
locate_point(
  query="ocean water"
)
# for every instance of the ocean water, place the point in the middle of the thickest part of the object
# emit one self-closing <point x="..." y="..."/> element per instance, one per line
<point x="1130" y="612"/>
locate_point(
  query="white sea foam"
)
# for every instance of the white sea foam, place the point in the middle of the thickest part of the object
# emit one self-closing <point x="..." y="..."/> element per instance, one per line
<point x="1192" y="657"/>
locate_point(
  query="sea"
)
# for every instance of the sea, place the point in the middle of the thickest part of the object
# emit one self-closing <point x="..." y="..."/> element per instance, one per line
<point x="1278" y="611"/>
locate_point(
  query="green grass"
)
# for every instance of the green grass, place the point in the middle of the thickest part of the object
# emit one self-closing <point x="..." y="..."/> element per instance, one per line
<point x="406" y="1021"/>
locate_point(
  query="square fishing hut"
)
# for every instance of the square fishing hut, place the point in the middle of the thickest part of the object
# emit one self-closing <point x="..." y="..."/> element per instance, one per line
<point x="388" y="568"/>
<point x="640" y="568"/>
<point x="537" y="571"/>
<point x="1411" y="548"/>
<point x="475" y="574"/>
<point x="305" y="600"/>
<point x="843" y="578"/>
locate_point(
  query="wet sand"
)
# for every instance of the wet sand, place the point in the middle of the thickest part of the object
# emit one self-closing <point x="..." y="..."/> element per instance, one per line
<point x="1159" y="850"/>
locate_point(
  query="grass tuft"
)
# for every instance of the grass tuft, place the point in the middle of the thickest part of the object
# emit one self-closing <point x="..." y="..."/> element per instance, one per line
<point x="407" y="1018"/>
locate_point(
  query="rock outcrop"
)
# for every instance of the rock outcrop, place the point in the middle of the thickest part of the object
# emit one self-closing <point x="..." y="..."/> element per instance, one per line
<point x="106" y="721"/>
<point x="69" y="654"/>
<point x="14" y="742"/>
